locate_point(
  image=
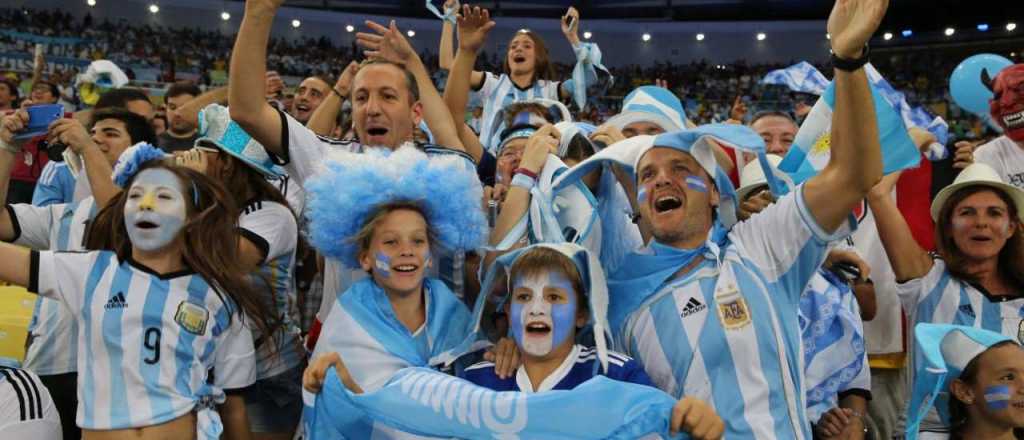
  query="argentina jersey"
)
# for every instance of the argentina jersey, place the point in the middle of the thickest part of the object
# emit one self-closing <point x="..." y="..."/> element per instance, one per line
<point x="940" y="298"/>
<point x="580" y="365"/>
<point x="151" y="347"/>
<point x="272" y="228"/>
<point x="496" y="92"/>
<point x="727" y="331"/>
<point x="52" y="332"/>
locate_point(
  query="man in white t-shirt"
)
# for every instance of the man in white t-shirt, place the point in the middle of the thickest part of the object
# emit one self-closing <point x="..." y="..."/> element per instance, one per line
<point x="1005" y="154"/>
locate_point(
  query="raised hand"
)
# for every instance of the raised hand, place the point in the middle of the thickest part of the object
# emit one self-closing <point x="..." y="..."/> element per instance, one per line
<point x="387" y="43"/>
<point x="851" y="24"/>
<point x="273" y="4"/>
<point x="344" y="83"/>
<point x="474" y="24"/>
<point x="738" y="110"/>
<point x="571" y="25"/>
<point x="540" y="144"/>
<point x="964" y="154"/>
<point x="11" y="124"/>
<point x="274" y="85"/>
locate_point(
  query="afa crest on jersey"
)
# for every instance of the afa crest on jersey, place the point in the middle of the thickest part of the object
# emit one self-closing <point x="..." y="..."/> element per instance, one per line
<point x="192" y="317"/>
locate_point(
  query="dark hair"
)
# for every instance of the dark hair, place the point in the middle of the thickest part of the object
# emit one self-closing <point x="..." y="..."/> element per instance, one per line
<point x="514" y="109"/>
<point x="244" y="181"/>
<point x="54" y="90"/>
<point x="182" y="88"/>
<point x="120" y="98"/>
<point x="12" y="86"/>
<point x="139" y="130"/>
<point x="580" y="148"/>
<point x="775" y="113"/>
<point x="410" y="80"/>
<point x="210" y="238"/>
<point x="542" y="68"/>
<point x="541" y="260"/>
<point x="325" y="78"/>
<point x="958" y="414"/>
<point x="1011" y="257"/>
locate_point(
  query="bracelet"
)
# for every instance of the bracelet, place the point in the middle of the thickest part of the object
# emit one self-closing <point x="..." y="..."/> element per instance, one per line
<point x="336" y="92"/>
<point x="525" y="171"/>
<point x="524" y="181"/>
<point x="851" y="65"/>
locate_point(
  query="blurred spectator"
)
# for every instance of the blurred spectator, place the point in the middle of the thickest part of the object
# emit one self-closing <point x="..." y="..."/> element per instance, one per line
<point x="181" y="133"/>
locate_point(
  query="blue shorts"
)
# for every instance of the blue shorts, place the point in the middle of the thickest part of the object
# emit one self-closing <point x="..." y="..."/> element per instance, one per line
<point x="274" y="404"/>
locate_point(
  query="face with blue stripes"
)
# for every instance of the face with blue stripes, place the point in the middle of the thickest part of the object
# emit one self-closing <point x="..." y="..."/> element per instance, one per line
<point x="543" y="313"/>
<point x="399" y="252"/>
<point x="996" y="390"/>
<point x="155" y="209"/>
<point x="675" y="196"/>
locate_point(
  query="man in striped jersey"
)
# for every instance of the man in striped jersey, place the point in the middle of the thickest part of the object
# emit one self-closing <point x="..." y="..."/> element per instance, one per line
<point x="26" y="409"/>
<point x="52" y="333"/>
<point x="390" y="96"/>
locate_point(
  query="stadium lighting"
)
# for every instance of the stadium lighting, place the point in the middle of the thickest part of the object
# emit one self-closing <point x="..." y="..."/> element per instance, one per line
<point x="761" y="36"/>
<point x="646" y="37"/>
<point x="950" y="31"/>
<point x="225" y="16"/>
<point x="350" y="28"/>
<point x="828" y="36"/>
<point x="411" y="33"/>
<point x="1011" y="26"/>
<point x="983" y="27"/>
<point x="700" y="37"/>
<point x="887" y="36"/>
<point x="296" y="23"/>
<point x="587" y="35"/>
<point x="90" y="2"/>
<point x="907" y="33"/>
<point x="153" y="8"/>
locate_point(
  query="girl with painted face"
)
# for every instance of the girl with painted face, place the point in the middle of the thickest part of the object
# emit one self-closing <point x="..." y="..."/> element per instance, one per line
<point x="554" y="292"/>
<point x="974" y="378"/>
<point x="395" y="208"/>
<point x="528" y="72"/>
<point x="977" y="276"/>
<point x="268" y="236"/>
<point x="159" y="309"/>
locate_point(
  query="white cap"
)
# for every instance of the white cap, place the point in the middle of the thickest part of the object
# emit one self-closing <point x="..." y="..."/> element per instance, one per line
<point x="958" y="349"/>
<point x="978" y="174"/>
<point x="752" y="177"/>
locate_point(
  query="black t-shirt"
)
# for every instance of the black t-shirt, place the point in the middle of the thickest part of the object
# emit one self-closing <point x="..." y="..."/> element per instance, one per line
<point x="171" y="144"/>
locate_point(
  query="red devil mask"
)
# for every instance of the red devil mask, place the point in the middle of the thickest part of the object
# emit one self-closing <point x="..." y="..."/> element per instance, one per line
<point x="1007" y="103"/>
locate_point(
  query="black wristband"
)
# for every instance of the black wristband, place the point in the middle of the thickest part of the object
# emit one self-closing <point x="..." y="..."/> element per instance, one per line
<point x="851" y="65"/>
<point x="336" y="92"/>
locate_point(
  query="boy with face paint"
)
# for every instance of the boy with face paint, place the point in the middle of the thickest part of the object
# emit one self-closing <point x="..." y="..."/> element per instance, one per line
<point x="547" y="304"/>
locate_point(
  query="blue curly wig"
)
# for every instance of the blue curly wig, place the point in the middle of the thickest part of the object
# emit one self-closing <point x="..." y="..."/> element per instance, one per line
<point x="351" y="186"/>
<point x="132" y="159"/>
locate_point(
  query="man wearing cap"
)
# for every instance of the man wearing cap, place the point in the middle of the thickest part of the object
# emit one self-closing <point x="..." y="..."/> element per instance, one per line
<point x="710" y="309"/>
<point x="389" y="97"/>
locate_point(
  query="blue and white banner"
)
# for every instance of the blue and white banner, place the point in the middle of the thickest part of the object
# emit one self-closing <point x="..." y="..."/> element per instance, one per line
<point x="424" y="402"/>
<point x="41" y="39"/>
<point x="800" y="77"/>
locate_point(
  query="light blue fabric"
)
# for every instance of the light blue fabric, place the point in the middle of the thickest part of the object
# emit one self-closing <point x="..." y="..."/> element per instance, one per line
<point x="132" y="159"/>
<point x="216" y="127"/>
<point x="934" y="371"/>
<point x="584" y="73"/>
<point x="653" y="104"/>
<point x="810" y="151"/>
<point x="55" y="186"/>
<point x="425" y="402"/>
<point x="449" y="14"/>
<point x="800" y="77"/>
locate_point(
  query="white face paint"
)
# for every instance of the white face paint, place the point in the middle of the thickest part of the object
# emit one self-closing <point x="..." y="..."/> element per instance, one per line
<point x="154" y="212"/>
<point x="543" y="312"/>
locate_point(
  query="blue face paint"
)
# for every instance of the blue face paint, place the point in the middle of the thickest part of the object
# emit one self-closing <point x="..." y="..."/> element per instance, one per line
<point x="382" y="265"/>
<point x="696" y="183"/>
<point x="997" y="397"/>
<point x="560" y="318"/>
<point x="154" y="211"/>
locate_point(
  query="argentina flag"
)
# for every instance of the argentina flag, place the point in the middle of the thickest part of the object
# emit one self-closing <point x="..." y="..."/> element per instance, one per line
<point x="801" y="77"/>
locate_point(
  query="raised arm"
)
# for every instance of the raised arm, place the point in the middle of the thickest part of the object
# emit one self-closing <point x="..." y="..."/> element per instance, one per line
<point x="445" y="57"/>
<point x="190" y="110"/>
<point x="324" y="118"/>
<point x="9" y="148"/>
<point x="389" y="44"/>
<point x="247" y="78"/>
<point x="72" y="133"/>
<point x="474" y="24"/>
<point x="908" y="259"/>
<point x="856" y="162"/>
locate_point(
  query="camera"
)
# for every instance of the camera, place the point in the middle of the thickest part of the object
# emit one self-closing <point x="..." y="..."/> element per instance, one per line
<point x="54" y="151"/>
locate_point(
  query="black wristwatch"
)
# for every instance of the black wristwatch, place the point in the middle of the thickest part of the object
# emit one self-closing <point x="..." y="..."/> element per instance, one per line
<point x="851" y="65"/>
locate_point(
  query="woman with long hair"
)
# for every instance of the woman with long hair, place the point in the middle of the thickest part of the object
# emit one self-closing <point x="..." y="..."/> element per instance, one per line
<point x="973" y="378"/>
<point x="976" y="277"/>
<point x="160" y="308"/>
<point x="268" y="238"/>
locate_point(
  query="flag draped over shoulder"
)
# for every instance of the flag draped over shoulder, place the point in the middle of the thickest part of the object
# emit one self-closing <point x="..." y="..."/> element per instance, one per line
<point x="427" y="403"/>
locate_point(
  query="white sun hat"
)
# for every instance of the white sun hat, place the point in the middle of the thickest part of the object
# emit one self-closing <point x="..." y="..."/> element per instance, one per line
<point x="752" y="177"/>
<point x="974" y="175"/>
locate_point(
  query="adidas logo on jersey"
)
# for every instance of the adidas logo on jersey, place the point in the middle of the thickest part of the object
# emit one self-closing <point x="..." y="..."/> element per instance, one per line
<point x="967" y="310"/>
<point x="116" y="302"/>
<point x="693" y="306"/>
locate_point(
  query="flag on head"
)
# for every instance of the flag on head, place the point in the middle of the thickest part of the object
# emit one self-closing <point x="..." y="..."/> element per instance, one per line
<point x="811" y="148"/>
<point x="942" y="352"/>
<point x="653" y="104"/>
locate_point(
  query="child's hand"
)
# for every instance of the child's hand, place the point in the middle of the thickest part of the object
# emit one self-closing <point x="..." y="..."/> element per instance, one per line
<point x="696" y="418"/>
<point x="313" y="377"/>
<point x="505" y="356"/>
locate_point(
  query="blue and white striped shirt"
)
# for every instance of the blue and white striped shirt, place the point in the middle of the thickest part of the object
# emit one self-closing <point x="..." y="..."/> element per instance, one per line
<point x="939" y="298"/>
<point x="56" y="184"/>
<point x="496" y="92"/>
<point x="52" y="331"/>
<point x="727" y="332"/>
<point x="151" y="347"/>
